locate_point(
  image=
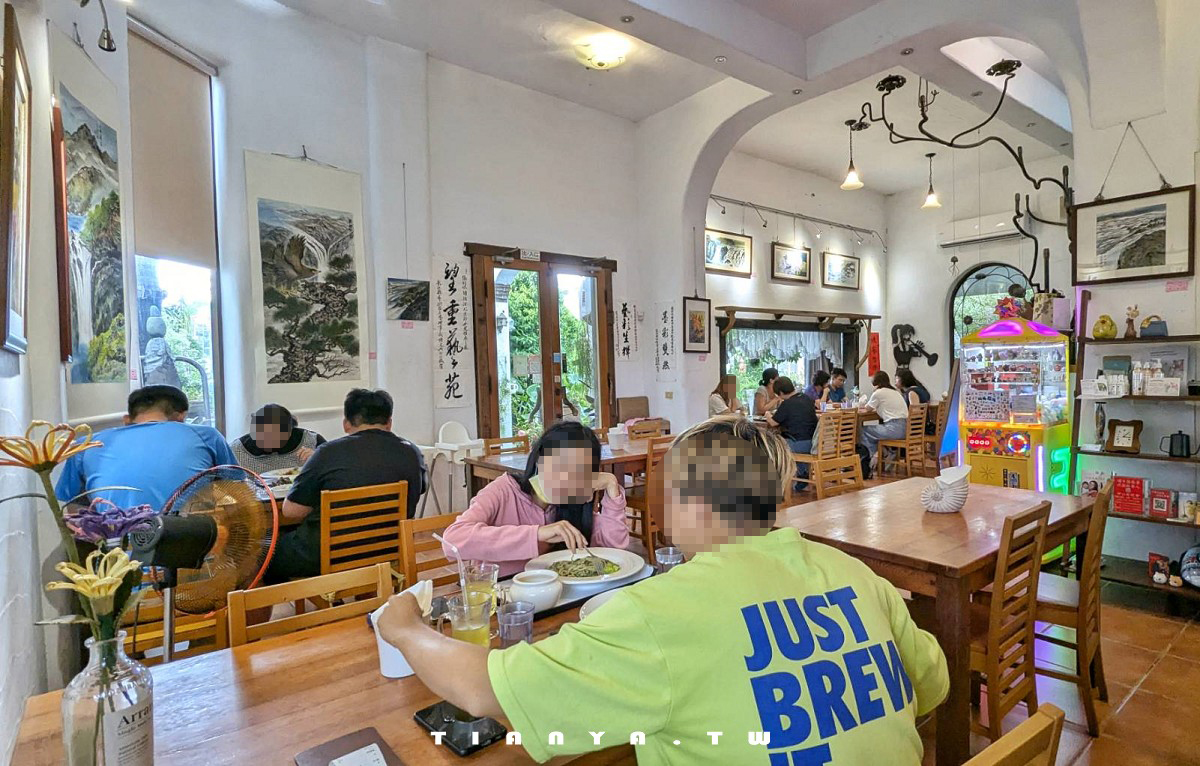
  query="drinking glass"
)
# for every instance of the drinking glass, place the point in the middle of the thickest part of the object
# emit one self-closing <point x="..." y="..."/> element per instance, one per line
<point x="481" y="578"/>
<point x="470" y="617"/>
<point x="516" y="623"/>
<point x="668" y="559"/>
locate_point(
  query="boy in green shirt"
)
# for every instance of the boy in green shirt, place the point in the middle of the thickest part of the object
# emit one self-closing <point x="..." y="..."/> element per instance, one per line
<point x="764" y="648"/>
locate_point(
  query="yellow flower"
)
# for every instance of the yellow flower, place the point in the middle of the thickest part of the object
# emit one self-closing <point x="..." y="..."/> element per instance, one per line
<point x="57" y="444"/>
<point x="98" y="580"/>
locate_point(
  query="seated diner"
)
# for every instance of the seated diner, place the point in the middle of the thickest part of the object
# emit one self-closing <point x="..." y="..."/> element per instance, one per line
<point x="552" y="503"/>
<point x="888" y="403"/>
<point x="276" y="443"/>
<point x="795" y="417"/>
<point x="723" y="399"/>
<point x="820" y="383"/>
<point x="765" y="396"/>
<point x="835" y="392"/>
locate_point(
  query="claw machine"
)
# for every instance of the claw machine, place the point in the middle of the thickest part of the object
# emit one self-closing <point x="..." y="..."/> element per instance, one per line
<point x="1015" y="413"/>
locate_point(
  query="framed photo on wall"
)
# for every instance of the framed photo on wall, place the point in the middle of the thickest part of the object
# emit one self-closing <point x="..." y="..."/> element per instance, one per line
<point x="1142" y="236"/>
<point x="727" y="253"/>
<point x="790" y="263"/>
<point x="15" y="126"/>
<point x="697" y="325"/>
<point x="840" y="271"/>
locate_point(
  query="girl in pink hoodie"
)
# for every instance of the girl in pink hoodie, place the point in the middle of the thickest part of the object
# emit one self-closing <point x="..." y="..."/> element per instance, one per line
<point x="517" y="518"/>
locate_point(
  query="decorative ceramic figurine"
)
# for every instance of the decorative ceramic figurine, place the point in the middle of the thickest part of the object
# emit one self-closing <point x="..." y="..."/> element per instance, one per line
<point x="1104" y="328"/>
<point x="1175" y="582"/>
<point x="1101" y="423"/>
<point x="1131" y="314"/>
<point x="1160" y="578"/>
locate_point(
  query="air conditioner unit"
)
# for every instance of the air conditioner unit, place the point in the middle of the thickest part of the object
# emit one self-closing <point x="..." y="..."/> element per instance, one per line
<point x="979" y="230"/>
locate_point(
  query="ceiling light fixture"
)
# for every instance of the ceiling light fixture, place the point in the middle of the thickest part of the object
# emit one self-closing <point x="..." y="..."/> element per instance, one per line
<point x="906" y="52"/>
<point x="931" y="198"/>
<point x="720" y="59"/>
<point x="106" y="42"/>
<point x="626" y="19"/>
<point x="852" y="181"/>
<point x="605" y="51"/>
<point x="797" y="91"/>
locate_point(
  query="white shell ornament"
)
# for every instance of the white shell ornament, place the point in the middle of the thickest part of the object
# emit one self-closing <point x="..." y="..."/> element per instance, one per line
<point x="948" y="492"/>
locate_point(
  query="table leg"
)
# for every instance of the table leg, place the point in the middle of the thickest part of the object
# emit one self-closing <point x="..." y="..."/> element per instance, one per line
<point x="954" y="634"/>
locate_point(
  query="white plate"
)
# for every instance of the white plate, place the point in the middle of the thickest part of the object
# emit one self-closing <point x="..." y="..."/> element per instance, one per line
<point x="629" y="563"/>
<point x="595" y="602"/>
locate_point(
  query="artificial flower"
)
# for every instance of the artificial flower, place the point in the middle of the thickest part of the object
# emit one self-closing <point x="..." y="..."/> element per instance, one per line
<point x="99" y="579"/>
<point x="59" y="443"/>
<point x="103" y="520"/>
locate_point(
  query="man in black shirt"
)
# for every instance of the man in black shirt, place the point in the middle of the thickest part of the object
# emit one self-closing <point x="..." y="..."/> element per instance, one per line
<point x="796" y="417"/>
<point x="368" y="454"/>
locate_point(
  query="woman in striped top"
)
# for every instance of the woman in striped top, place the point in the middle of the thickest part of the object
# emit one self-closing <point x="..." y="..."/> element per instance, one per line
<point x="276" y="443"/>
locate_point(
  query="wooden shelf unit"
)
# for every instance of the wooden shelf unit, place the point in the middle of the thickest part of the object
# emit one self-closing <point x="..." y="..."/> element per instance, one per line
<point x="1143" y="398"/>
<point x="1135" y="456"/>
<point x="1155" y="341"/>
<point x="1134" y="572"/>
<point x="1152" y="520"/>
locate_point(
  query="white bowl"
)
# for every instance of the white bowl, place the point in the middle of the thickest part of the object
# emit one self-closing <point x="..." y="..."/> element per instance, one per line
<point x="629" y="563"/>
<point x="540" y="587"/>
<point x="595" y="602"/>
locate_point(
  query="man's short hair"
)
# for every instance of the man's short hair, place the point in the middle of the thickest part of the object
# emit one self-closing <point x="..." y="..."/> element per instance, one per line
<point x="784" y="385"/>
<point x="836" y="371"/>
<point x="739" y="469"/>
<point x="368" y="408"/>
<point x="166" y="399"/>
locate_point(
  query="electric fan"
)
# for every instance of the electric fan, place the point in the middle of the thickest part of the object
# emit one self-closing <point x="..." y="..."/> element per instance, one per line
<point x="216" y="534"/>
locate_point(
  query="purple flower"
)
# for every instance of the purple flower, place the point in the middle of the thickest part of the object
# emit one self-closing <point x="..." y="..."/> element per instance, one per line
<point x="104" y="520"/>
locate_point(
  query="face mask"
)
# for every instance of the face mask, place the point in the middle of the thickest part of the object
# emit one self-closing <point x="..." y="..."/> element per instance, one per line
<point x="535" y="484"/>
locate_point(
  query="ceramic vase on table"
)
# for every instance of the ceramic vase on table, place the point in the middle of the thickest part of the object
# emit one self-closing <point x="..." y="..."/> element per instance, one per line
<point x="108" y="710"/>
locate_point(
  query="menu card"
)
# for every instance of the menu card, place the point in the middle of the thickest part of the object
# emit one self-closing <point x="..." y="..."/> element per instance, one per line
<point x="361" y="748"/>
<point x="1129" y="495"/>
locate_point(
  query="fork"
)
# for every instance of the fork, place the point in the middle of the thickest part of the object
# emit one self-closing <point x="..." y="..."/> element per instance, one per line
<point x="595" y="561"/>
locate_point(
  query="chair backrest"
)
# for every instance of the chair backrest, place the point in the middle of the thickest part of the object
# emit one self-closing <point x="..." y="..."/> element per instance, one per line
<point x="1034" y="742"/>
<point x="505" y="445"/>
<point x="1088" y="626"/>
<point x="647" y="429"/>
<point x="601" y="434"/>
<point x="453" y="432"/>
<point x="1010" y="660"/>
<point x="828" y="426"/>
<point x="375" y="579"/>
<point x="914" y="430"/>
<point x="837" y="476"/>
<point x="420" y="553"/>
<point x="630" y="407"/>
<point x="361" y="526"/>
<point x="941" y="419"/>
<point x="847" y="439"/>
<point x="202" y="632"/>
<point x="656" y="490"/>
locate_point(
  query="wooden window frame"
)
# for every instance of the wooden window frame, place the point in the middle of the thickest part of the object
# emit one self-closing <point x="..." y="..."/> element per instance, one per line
<point x="484" y="260"/>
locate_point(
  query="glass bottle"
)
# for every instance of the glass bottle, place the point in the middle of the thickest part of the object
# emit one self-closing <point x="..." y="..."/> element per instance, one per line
<point x="107" y="710"/>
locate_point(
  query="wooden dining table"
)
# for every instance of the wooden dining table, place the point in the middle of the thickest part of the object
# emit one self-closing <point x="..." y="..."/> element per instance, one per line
<point x="482" y="469"/>
<point x="264" y="702"/>
<point x="939" y="557"/>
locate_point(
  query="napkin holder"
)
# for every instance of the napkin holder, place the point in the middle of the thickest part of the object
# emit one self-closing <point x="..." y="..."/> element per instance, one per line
<point x="948" y="492"/>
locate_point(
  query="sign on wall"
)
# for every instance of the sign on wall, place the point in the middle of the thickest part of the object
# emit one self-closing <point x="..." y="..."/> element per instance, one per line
<point x="666" y="360"/>
<point x="627" y="331"/>
<point x="452" y="334"/>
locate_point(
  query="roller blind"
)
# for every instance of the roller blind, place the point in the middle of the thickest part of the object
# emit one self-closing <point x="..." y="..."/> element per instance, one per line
<point x="171" y="134"/>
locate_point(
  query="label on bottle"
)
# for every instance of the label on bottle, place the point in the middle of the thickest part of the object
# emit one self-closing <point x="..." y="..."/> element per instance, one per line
<point x="129" y="735"/>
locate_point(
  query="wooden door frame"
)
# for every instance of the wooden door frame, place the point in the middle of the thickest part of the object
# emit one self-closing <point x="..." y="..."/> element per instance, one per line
<point x="484" y="260"/>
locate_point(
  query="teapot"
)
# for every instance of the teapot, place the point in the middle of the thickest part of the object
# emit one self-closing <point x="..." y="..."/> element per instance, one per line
<point x="1181" y="445"/>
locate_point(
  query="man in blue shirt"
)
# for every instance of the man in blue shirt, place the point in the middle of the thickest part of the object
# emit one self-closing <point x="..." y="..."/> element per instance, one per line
<point x="155" y="451"/>
<point x="837" y="385"/>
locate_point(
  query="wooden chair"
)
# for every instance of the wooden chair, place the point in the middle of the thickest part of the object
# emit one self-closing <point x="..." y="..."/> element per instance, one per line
<point x="837" y="476"/>
<point x="909" y="451"/>
<point x="1002" y="643"/>
<point x="647" y="429"/>
<point x="645" y="504"/>
<point x="940" y="415"/>
<point x="847" y="435"/>
<point x="601" y="434"/>
<point x="203" y="633"/>
<point x="827" y="445"/>
<point x="416" y="538"/>
<point x="1076" y="604"/>
<point x="375" y="579"/>
<point x="1033" y="743"/>
<point x="506" y="445"/>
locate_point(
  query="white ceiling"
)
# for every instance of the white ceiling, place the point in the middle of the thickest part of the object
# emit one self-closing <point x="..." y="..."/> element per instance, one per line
<point x="526" y="42"/>
<point x="807" y="16"/>
<point x="813" y="137"/>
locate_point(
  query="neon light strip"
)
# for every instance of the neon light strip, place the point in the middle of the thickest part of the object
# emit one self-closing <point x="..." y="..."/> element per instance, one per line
<point x="1041" y="468"/>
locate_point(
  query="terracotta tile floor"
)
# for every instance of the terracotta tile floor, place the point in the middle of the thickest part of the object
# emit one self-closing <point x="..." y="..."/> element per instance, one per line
<point x="1152" y="660"/>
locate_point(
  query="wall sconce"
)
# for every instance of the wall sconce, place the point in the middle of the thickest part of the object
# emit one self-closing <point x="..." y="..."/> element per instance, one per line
<point x="106" y="42"/>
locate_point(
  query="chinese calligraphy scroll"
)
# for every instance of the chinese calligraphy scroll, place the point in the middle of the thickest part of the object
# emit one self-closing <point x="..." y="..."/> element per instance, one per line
<point x="452" y="335"/>
<point x="627" y="331"/>
<point x="666" y="360"/>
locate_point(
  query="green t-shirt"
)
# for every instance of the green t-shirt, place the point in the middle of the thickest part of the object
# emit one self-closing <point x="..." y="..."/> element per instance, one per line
<point x="772" y="637"/>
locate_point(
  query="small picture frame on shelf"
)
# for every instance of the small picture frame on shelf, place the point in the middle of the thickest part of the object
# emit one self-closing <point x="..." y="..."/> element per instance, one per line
<point x="1124" y="436"/>
<point x="1163" y="387"/>
<point x="1093" y="388"/>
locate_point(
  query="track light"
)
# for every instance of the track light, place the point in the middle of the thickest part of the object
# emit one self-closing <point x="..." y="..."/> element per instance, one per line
<point x="931" y="198"/>
<point x="761" y="217"/>
<point x="106" y="42"/>
<point x="852" y="181"/>
<point x="720" y="206"/>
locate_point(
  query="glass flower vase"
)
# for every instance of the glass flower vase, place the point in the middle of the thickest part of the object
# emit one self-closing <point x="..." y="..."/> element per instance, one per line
<point x="108" y="711"/>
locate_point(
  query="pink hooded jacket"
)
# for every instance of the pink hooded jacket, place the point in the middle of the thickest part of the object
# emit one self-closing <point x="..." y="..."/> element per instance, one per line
<point x="501" y="526"/>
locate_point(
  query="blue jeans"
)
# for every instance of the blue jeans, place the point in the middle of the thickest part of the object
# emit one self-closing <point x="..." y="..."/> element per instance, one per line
<point x="872" y="433"/>
<point x="804" y="447"/>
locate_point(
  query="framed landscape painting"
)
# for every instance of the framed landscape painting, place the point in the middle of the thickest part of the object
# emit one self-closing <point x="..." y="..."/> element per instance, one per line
<point x="1142" y="236"/>
<point x="840" y="271"/>
<point x="14" y="188"/>
<point x="697" y="325"/>
<point x="790" y="263"/>
<point x="727" y="253"/>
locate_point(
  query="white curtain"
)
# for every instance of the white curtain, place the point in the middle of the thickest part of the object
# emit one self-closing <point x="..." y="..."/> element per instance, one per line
<point x="785" y="344"/>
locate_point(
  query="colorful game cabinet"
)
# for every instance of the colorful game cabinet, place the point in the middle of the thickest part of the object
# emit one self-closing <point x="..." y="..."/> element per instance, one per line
<point x="1015" y="413"/>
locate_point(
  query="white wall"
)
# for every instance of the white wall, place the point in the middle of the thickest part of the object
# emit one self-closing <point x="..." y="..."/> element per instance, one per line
<point x="763" y="182"/>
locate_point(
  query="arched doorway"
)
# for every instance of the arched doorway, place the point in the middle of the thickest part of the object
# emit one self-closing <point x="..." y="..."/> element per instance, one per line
<point x="974" y="297"/>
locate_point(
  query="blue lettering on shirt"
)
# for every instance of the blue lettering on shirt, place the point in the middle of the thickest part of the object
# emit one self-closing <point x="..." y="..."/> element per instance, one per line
<point x="840" y="695"/>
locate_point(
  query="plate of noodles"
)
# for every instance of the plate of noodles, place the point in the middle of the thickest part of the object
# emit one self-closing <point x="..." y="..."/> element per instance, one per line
<point x="575" y="568"/>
